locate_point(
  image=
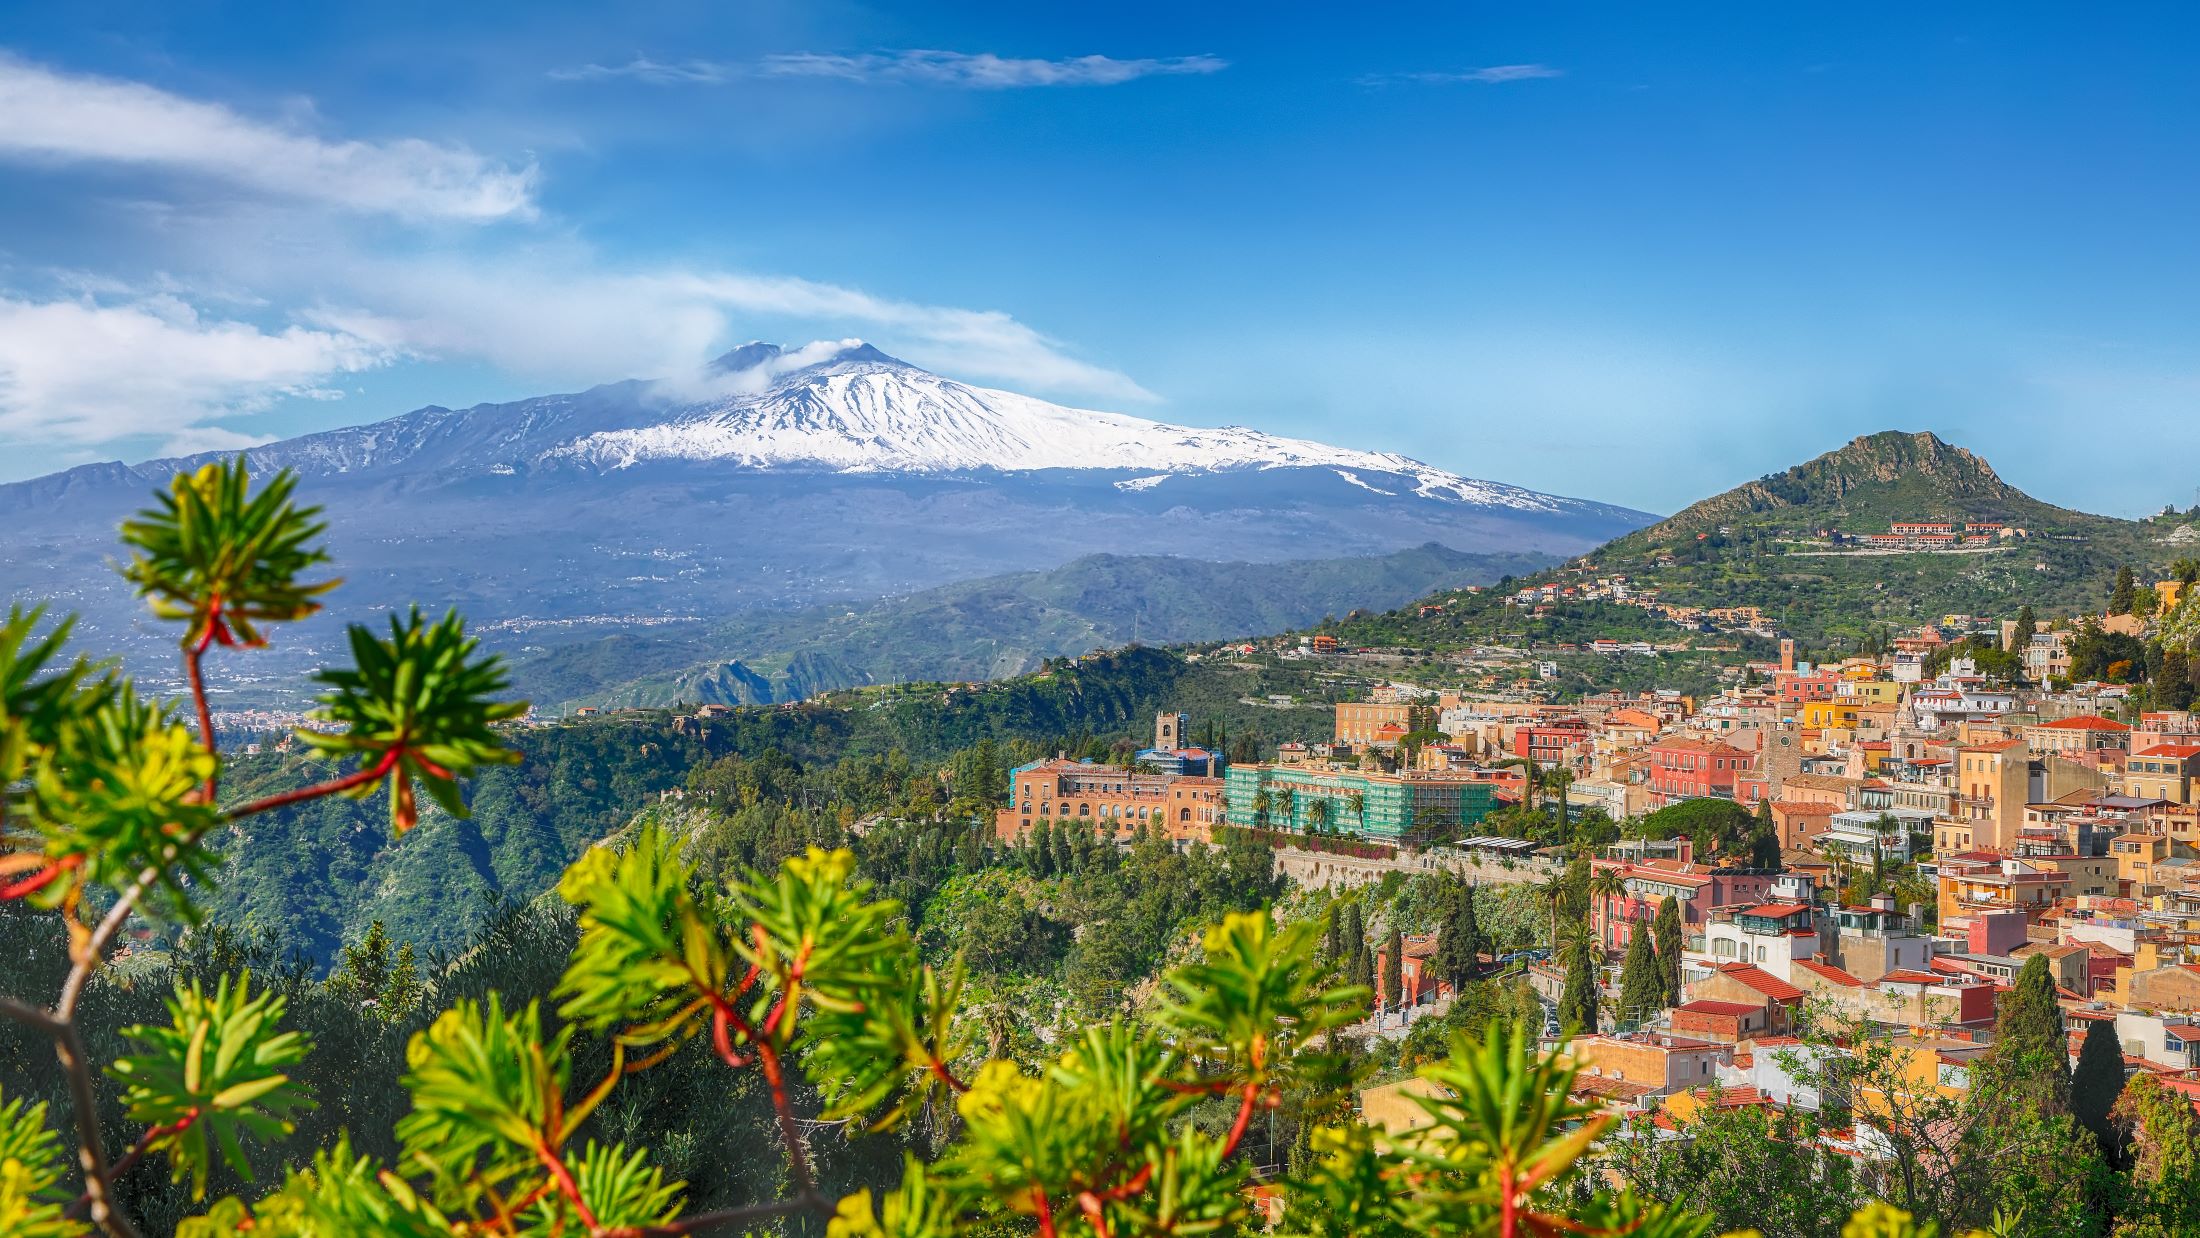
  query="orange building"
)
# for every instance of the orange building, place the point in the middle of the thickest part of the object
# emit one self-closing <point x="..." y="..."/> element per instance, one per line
<point x="1110" y="798"/>
<point x="1359" y="723"/>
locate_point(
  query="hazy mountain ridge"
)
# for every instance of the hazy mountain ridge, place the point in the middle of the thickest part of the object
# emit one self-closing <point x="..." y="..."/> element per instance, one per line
<point x="825" y="477"/>
<point x="996" y="627"/>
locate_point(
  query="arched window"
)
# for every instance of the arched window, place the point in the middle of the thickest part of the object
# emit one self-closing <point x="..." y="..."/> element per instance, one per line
<point x="1084" y="810"/>
<point x="1183" y="814"/>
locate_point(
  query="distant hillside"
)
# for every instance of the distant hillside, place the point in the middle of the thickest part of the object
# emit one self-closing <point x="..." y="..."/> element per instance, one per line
<point x="1767" y="543"/>
<point x="1861" y="488"/>
<point x="997" y="626"/>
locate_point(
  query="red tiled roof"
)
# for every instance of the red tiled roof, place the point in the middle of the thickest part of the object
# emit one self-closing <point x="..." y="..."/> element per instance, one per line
<point x="2180" y="751"/>
<point x="1706" y="1005"/>
<point x="1733" y="1098"/>
<point x="1755" y="977"/>
<point x="1774" y="911"/>
<point x="2084" y="722"/>
<point x="1907" y="975"/>
<point x="1832" y="974"/>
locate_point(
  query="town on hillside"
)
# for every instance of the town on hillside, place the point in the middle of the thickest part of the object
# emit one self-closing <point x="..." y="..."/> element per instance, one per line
<point x="1843" y="858"/>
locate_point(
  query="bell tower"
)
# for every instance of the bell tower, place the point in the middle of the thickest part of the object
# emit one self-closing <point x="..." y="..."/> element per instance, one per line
<point x="1168" y="730"/>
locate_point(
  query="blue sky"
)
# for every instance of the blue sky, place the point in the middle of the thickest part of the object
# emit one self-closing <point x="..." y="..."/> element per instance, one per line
<point x="1632" y="252"/>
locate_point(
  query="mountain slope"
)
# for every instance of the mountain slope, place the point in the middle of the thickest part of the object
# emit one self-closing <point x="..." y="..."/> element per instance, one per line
<point x="1765" y="544"/>
<point x="991" y="628"/>
<point x="781" y="480"/>
<point x="1862" y="487"/>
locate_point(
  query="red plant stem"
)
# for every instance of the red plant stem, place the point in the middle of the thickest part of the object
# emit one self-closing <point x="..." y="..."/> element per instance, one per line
<point x="1095" y="1212"/>
<point x="1046" y="1214"/>
<point x="566" y="1186"/>
<point x="193" y="654"/>
<point x="37" y="881"/>
<point x="797" y="1160"/>
<point x="136" y="1153"/>
<point x="1508" y="1207"/>
<point x="721" y="1019"/>
<point x="1244" y="1118"/>
<point x="946" y="1076"/>
<point x="357" y="778"/>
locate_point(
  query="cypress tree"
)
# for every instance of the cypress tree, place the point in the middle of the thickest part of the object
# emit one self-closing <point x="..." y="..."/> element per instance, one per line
<point x="1764" y="838"/>
<point x="1459" y="938"/>
<point x="2125" y="594"/>
<point x="1577" y="1002"/>
<point x="1665" y="935"/>
<point x="2097" y="1081"/>
<point x="2028" y="626"/>
<point x="1362" y="971"/>
<point x="1394" y="971"/>
<point x="2031" y="1056"/>
<point x="1039" y="850"/>
<point x="1641" y="988"/>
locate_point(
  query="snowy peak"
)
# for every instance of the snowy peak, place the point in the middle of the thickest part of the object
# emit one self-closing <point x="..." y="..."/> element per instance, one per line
<point x="847" y="407"/>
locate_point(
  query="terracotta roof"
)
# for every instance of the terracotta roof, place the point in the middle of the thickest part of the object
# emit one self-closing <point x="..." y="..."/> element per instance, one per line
<point x="1998" y="746"/>
<point x="1821" y="782"/>
<point x="1910" y="976"/>
<point x="1830" y="974"/>
<point x="1610" y="1087"/>
<point x="1774" y="911"/>
<point x="2084" y="722"/>
<point x="1732" y="1098"/>
<point x="2179" y="751"/>
<point x="1752" y="976"/>
<point x="1706" y="1005"/>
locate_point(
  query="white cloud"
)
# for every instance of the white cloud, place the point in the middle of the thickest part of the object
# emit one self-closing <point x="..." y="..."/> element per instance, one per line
<point x="1488" y="75"/>
<point x="53" y="117"/>
<point x="574" y="322"/>
<point x="975" y="71"/>
<point x="83" y="371"/>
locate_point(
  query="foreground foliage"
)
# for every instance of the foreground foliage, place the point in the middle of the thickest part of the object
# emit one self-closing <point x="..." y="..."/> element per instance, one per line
<point x="798" y="974"/>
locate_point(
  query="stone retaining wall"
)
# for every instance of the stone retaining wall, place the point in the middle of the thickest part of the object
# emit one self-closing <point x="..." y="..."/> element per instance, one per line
<point x="1321" y="869"/>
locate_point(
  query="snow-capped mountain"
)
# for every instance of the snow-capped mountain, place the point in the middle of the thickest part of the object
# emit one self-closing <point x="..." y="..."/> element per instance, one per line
<point x="823" y="474"/>
<point x="858" y="410"/>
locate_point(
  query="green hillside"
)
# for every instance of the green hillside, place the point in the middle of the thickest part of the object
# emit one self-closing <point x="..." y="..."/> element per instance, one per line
<point x="316" y="875"/>
<point x="995" y="627"/>
<point x="1768" y="543"/>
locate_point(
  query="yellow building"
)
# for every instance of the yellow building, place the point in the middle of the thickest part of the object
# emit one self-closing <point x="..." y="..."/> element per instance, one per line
<point x="2136" y="855"/>
<point x="1993" y="781"/>
<point x="1917" y="1068"/>
<point x="2163" y="772"/>
<point x="1836" y="714"/>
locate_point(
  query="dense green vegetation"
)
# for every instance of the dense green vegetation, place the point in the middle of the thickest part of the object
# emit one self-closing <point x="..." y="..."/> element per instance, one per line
<point x="992" y="628"/>
<point x="315" y="875"/>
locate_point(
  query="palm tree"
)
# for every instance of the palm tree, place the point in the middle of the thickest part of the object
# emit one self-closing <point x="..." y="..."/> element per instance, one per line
<point x="1605" y="885"/>
<point x="1261" y="804"/>
<point x="1552" y="890"/>
<point x="1317" y="816"/>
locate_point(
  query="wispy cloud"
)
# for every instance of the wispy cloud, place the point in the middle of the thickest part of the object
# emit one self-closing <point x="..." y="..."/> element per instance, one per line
<point x="965" y="70"/>
<point x="90" y="371"/>
<point x="47" y="116"/>
<point x="1488" y="75"/>
<point x="280" y="294"/>
<point x="577" y="321"/>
